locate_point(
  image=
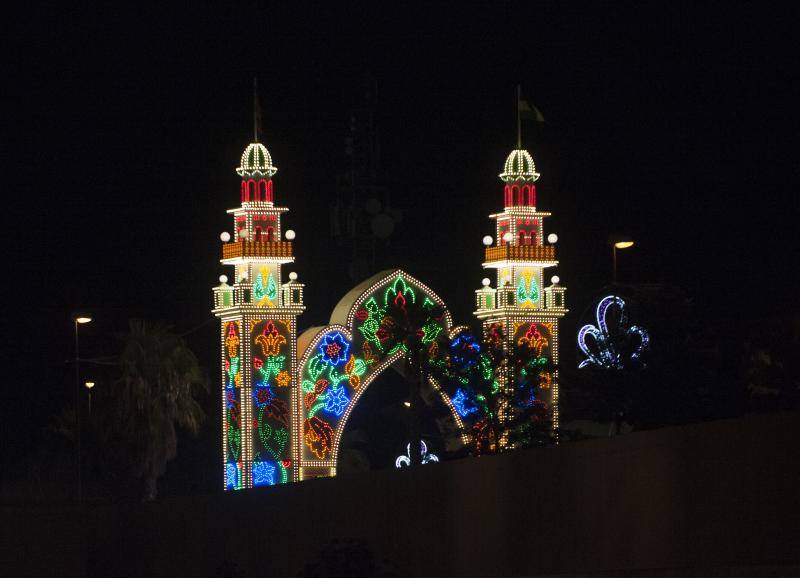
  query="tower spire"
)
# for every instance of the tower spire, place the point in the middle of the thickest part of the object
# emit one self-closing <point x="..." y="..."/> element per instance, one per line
<point x="255" y="109"/>
<point x="519" y="123"/>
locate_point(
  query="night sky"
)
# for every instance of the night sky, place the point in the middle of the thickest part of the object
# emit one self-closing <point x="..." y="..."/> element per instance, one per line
<point x="124" y="127"/>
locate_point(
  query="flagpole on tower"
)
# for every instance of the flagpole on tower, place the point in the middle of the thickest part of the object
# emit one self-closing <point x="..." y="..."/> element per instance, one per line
<point x="519" y="122"/>
<point x="255" y="109"/>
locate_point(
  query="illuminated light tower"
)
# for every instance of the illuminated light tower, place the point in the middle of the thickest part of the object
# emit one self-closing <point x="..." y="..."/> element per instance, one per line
<point x="520" y="306"/>
<point x="258" y="314"/>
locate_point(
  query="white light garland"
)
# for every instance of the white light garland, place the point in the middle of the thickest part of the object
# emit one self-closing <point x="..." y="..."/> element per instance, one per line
<point x="256" y="161"/>
<point x="519" y="166"/>
<point x="522" y="258"/>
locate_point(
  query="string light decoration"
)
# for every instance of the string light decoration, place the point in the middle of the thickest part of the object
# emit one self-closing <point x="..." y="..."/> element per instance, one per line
<point x="284" y="413"/>
<point x="463" y="404"/>
<point x="256" y="162"/>
<point x="613" y="343"/>
<point x="520" y="311"/>
<point x="340" y="361"/>
<point x="403" y="461"/>
<point x="258" y="317"/>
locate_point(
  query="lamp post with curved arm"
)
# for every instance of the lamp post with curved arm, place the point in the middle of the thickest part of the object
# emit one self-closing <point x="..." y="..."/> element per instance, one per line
<point x="78" y="320"/>
<point x="618" y="242"/>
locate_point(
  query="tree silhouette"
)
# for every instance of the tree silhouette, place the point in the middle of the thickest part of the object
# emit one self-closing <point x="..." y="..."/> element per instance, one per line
<point x="156" y="391"/>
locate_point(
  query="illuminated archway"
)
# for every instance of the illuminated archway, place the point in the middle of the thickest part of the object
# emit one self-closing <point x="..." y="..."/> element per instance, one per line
<point x="338" y="362"/>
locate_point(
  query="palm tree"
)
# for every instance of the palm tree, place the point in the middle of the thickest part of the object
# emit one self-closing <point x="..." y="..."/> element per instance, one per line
<point x="160" y="379"/>
<point x="413" y="328"/>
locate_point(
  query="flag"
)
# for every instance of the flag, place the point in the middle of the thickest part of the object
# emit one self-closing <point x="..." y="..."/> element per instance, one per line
<point x="528" y="111"/>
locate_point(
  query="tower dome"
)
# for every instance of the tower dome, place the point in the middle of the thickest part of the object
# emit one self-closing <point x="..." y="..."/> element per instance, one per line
<point x="257" y="162"/>
<point x="519" y="167"/>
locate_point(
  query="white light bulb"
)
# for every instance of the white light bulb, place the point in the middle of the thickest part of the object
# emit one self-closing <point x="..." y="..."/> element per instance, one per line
<point x="487" y="240"/>
<point x="507" y="237"/>
<point x="293" y="276"/>
<point x="243" y="234"/>
<point x="290" y="234"/>
<point x="223" y="278"/>
<point x="552" y="238"/>
<point x="485" y="282"/>
<point x="225" y="236"/>
<point x="554" y="279"/>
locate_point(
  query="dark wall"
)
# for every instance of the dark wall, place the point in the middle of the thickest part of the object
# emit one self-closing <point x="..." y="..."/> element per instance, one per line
<point x="720" y="498"/>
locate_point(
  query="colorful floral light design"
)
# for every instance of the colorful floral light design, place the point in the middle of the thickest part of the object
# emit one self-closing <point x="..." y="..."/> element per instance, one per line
<point x="336" y="400"/>
<point x="465" y="349"/>
<point x="334" y="349"/>
<point x="263" y="474"/>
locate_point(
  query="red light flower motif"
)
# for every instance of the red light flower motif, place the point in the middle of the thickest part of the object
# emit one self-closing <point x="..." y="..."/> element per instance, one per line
<point x="270" y="340"/>
<point x="534" y="339"/>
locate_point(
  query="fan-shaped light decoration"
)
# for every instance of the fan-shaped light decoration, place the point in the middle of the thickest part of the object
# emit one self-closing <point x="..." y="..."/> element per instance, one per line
<point x="612" y="344"/>
<point x="426" y="458"/>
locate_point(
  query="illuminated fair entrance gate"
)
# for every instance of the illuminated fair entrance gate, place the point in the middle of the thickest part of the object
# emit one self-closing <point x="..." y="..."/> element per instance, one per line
<point x="286" y="400"/>
<point x="338" y="363"/>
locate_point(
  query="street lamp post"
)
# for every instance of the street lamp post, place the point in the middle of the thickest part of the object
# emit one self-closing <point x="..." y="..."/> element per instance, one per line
<point x="618" y="242"/>
<point x="79" y="320"/>
<point x="89" y="385"/>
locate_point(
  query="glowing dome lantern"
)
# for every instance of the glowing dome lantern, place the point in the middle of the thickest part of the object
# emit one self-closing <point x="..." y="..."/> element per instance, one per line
<point x="519" y="167"/>
<point x="256" y="162"/>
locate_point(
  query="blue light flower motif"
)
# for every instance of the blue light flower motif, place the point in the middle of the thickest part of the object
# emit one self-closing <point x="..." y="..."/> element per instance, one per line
<point x="465" y="350"/>
<point x="334" y="349"/>
<point x="230" y="398"/>
<point x="463" y="404"/>
<point x="263" y="474"/>
<point x="262" y="395"/>
<point x="612" y="343"/>
<point x="232" y="475"/>
<point x="336" y="400"/>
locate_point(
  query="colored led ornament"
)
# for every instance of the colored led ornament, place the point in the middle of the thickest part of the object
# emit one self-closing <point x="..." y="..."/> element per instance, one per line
<point x="527" y="291"/>
<point x="231" y="476"/>
<point x="270" y="340"/>
<point x="318" y="437"/>
<point x="272" y="288"/>
<point x="464" y="406"/>
<point x="262" y="395"/>
<point x="534" y="339"/>
<point x="263" y="474"/>
<point x="334" y="349"/>
<point x="425" y="457"/>
<point x="336" y="400"/>
<point x="465" y="349"/>
<point x="609" y="343"/>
